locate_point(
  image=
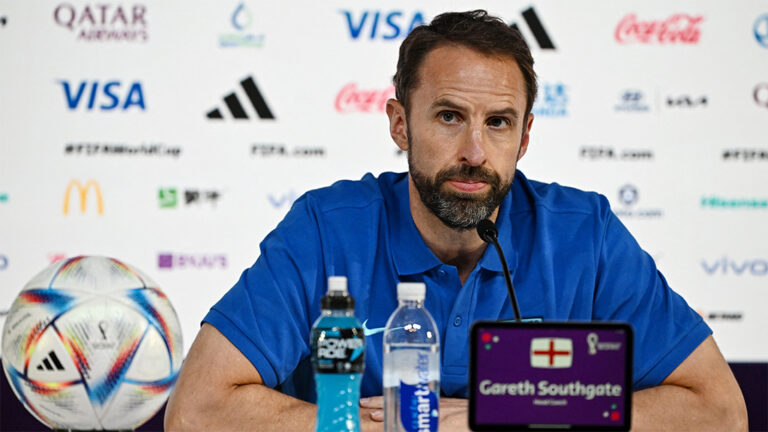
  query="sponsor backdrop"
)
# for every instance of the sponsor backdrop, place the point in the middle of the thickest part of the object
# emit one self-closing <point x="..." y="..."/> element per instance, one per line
<point x="176" y="135"/>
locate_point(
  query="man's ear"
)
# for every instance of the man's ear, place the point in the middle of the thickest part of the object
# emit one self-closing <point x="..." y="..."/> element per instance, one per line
<point x="398" y="126"/>
<point x="526" y="138"/>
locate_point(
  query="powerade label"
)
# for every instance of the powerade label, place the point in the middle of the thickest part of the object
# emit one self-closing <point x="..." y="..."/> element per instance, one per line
<point x="338" y="350"/>
<point x="419" y="405"/>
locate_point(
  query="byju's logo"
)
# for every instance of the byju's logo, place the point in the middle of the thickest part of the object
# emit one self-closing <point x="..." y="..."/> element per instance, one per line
<point x="629" y="196"/>
<point x="104" y="22"/>
<point x="761" y="95"/>
<point x="677" y="29"/>
<point x="727" y="266"/>
<point x="553" y="100"/>
<point x="537" y="28"/>
<point x="82" y="193"/>
<point x="236" y="108"/>
<point x="242" y="20"/>
<point x="169" y="197"/>
<point x="551" y="353"/>
<point x="747" y="155"/>
<point x="381" y="25"/>
<point x="761" y="30"/>
<point x="170" y="261"/>
<point x="3" y="262"/>
<point x="686" y="101"/>
<point x="112" y="95"/>
<point x="632" y="101"/>
<point x="352" y="99"/>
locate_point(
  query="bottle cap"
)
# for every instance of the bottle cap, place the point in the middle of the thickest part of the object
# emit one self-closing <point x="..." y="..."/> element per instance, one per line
<point x="337" y="285"/>
<point x="337" y="296"/>
<point x="411" y="291"/>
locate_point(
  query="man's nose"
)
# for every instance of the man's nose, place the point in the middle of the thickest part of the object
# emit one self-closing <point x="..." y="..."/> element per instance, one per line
<point x="472" y="149"/>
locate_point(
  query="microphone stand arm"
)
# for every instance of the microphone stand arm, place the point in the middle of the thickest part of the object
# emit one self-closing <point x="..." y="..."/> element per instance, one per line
<point x="512" y="297"/>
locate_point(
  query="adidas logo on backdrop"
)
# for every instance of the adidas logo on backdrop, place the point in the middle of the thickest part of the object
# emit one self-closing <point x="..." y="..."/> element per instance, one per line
<point x="537" y="28"/>
<point x="235" y="107"/>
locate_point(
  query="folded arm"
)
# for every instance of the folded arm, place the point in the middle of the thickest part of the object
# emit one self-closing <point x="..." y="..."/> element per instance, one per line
<point x="701" y="394"/>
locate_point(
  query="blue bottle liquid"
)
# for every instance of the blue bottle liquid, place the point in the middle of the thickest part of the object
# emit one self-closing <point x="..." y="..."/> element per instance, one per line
<point x="338" y="359"/>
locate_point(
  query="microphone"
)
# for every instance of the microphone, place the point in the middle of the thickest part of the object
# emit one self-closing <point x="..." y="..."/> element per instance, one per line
<point x="489" y="234"/>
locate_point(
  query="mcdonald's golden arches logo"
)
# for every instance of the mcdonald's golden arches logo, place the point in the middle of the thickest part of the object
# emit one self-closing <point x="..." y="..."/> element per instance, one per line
<point x="82" y="192"/>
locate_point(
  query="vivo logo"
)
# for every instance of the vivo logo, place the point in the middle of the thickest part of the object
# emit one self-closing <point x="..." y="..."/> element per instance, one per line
<point x="282" y="200"/>
<point x="726" y="266"/>
<point x="106" y="97"/>
<point x="373" y="24"/>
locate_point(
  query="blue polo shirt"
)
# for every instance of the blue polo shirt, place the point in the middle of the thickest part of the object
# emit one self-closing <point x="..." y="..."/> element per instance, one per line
<point x="569" y="256"/>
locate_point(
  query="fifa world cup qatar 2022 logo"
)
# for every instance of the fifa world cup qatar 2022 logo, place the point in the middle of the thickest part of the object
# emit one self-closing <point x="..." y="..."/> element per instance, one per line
<point x="677" y="29"/>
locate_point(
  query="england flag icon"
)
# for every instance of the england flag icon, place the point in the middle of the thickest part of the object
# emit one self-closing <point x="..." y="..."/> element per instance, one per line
<point x="551" y="353"/>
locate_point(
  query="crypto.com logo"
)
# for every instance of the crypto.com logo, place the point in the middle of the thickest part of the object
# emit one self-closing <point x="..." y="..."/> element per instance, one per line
<point x="761" y="30"/>
<point x="82" y="192"/>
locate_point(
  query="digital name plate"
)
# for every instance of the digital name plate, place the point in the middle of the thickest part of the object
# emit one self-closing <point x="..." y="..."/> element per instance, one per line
<point x="550" y="376"/>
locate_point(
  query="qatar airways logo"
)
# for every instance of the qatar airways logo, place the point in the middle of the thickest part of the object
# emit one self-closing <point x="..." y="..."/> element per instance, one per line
<point x="352" y="99"/>
<point x="677" y="29"/>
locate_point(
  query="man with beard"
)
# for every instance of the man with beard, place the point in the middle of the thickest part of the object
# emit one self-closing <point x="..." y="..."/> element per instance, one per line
<point x="465" y="87"/>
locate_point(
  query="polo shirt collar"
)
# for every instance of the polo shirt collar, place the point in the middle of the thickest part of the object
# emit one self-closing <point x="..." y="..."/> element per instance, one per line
<point x="412" y="256"/>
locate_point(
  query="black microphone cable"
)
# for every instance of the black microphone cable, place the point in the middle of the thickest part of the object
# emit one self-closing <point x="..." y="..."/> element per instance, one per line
<point x="488" y="232"/>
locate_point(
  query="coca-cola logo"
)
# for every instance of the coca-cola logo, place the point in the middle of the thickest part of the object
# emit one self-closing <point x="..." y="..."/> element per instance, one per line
<point x="679" y="28"/>
<point x="352" y="99"/>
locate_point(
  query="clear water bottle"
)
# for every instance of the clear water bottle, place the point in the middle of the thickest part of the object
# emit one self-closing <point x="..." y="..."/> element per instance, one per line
<point x="338" y="359"/>
<point x="411" y="364"/>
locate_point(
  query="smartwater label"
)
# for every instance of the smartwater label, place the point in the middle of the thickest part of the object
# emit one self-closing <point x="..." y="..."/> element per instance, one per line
<point x="418" y="404"/>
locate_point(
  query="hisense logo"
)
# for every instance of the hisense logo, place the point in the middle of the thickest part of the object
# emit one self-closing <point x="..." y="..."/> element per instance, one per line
<point x="735" y="203"/>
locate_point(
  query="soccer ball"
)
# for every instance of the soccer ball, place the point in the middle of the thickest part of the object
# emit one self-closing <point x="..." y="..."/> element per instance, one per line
<point x="91" y="343"/>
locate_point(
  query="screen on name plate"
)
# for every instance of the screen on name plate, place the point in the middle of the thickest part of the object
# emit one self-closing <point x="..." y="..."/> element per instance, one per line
<point x="546" y="376"/>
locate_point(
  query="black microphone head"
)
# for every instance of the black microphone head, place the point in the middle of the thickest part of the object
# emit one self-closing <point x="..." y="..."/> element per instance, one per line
<point x="487" y="230"/>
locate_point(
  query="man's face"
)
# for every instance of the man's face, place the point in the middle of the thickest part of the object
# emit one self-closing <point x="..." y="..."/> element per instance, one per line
<point x="465" y="133"/>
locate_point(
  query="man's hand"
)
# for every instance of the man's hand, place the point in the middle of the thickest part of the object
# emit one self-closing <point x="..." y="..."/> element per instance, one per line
<point x="454" y="413"/>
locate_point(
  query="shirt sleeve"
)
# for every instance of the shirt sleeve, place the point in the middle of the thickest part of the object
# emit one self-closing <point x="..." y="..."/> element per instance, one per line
<point x="268" y="313"/>
<point x="631" y="289"/>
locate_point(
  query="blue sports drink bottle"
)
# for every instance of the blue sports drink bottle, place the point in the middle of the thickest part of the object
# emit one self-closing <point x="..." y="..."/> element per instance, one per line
<point x="338" y="359"/>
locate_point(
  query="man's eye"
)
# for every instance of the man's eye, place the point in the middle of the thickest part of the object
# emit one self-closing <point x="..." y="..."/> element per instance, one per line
<point x="497" y="122"/>
<point x="447" y="116"/>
